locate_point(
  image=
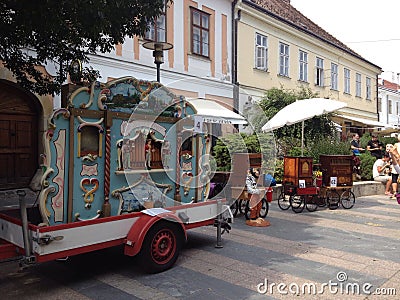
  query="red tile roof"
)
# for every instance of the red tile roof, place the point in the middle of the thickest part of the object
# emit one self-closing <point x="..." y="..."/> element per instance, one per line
<point x="282" y="10"/>
<point x="390" y="85"/>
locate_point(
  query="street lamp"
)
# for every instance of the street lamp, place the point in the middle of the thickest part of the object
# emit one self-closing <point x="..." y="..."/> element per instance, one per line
<point x="158" y="48"/>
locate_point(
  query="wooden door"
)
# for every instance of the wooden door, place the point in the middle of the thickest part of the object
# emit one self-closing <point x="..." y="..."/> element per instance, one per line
<point x="18" y="138"/>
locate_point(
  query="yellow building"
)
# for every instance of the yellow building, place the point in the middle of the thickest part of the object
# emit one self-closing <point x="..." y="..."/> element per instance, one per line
<point x="277" y="46"/>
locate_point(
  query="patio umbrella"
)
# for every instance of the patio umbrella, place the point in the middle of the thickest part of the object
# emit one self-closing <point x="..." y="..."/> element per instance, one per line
<point x="300" y="111"/>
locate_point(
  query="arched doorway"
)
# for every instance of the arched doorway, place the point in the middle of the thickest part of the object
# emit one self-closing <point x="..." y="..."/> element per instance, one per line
<point x="19" y="114"/>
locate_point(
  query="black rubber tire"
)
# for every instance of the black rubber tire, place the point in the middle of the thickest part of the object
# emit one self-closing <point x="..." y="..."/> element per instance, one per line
<point x="242" y="206"/>
<point x="234" y="207"/>
<point x="311" y="202"/>
<point x="284" y="201"/>
<point x="161" y="247"/>
<point x="332" y="199"/>
<point x="298" y="203"/>
<point x="265" y="208"/>
<point x="263" y="212"/>
<point x="347" y="199"/>
<point x="321" y="201"/>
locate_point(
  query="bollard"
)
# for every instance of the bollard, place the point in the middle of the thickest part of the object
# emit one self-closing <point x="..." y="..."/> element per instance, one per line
<point x="219" y="224"/>
<point x="24" y="218"/>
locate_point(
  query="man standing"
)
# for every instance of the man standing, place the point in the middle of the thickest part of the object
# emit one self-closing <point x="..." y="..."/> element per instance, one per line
<point x="355" y="144"/>
<point x="375" y="146"/>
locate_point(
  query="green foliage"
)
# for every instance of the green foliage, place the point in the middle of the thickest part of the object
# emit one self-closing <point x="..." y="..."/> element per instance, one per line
<point x="367" y="162"/>
<point x="242" y="143"/>
<point x="278" y="175"/>
<point x="61" y="31"/>
<point x="388" y="140"/>
<point x="316" y="128"/>
<point x="328" y="147"/>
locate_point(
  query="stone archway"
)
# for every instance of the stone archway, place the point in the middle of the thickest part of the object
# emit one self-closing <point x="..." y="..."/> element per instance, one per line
<point x="19" y="115"/>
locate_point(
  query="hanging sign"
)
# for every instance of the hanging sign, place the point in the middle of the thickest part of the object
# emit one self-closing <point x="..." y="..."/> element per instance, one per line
<point x="198" y="124"/>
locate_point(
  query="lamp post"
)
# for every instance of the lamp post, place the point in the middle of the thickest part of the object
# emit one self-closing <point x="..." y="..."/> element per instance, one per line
<point x="158" y="48"/>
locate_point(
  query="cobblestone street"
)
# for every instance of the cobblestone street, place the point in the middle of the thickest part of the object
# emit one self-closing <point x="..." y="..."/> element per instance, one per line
<point x="352" y="248"/>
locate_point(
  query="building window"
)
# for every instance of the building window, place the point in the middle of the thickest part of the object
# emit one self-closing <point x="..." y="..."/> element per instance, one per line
<point x="319" y="76"/>
<point x="200" y="32"/>
<point x="334" y="76"/>
<point x="157" y="29"/>
<point x="261" y="55"/>
<point x="346" y="81"/>
<point x="389" y="104"/>
<point x="358" y="85"/>
<point x="303" y="66"/>
<point x="283" y="59"/>
<point x="368" y="88"/>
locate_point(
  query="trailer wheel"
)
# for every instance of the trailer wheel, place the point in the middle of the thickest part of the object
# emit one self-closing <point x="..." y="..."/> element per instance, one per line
<point x="161" y="247"/>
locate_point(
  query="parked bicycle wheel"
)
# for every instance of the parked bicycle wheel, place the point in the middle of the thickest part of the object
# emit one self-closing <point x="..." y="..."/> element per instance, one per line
<point x="284" y="201"/>
<point x="347" y="199"/>
<point x="320" y="201"/>
<point x="234" y="207"/>
<point x="311" y="202"/>
<point x="298" y="203"/>
<point x="263" y="212"/>
<point x="332" y="199"/>
<point x="242" y="205"/>
<point x="265" y="208"/>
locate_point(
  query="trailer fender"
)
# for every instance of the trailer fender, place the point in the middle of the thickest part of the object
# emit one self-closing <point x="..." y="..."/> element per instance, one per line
<point x="139" y="229"/>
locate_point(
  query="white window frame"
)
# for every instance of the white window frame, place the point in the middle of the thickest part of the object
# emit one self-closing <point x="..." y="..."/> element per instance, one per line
<point x="261" y="52"/>
<point x="358" y="85"/>
<point x="283" y="59"/>
<point x="303" y="66"/>
<point x="334" y="76"/>
<point x="158" y="29"/>
<point x="200" y="32"/>
<point x="346" y="81"/>
<point x="319" y="71"/>
<point x="368" y="88"/>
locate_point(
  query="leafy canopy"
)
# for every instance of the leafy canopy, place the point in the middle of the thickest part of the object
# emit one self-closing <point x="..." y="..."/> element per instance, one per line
<point x="36" y="32"/>
<point x="319" y="127"/>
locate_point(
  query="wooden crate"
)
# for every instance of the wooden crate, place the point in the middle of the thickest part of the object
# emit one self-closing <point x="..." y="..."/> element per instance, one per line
<point x="340" y="166"/>
<point x="297" y="168"/>
<point x="241" y="162"/>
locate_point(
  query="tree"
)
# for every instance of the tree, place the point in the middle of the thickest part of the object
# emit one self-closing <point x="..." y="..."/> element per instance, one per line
<point x="288" y="137"/>
<point x="34" y="33"/>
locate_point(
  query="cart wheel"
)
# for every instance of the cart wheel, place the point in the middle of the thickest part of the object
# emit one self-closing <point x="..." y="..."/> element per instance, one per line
<point x="321" y="201"/>
<point x="332" y="199"/>
<point x="265" y="208"/>
<point x="242" y="205"/>
<point x="297" y="202"/>
<point x="161" y="247"/>
<point x="347" y="199"/>
<point x="263" y="211"/>
<point x="311" y="202"/>
<point x="284" y="201"/>
<point x="247" y="210"/>
<point x="234" y="207"/>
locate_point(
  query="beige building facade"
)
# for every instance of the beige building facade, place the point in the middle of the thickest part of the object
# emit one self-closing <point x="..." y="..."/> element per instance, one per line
<point x="279" y="47"/>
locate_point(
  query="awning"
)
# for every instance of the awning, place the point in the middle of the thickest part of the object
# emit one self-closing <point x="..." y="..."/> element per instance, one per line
<point x="212" y="112"/>
<point x="363" y="121"/>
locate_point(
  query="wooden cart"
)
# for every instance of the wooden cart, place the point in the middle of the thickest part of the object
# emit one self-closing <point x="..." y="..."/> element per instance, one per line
<point x="298" y="186"/>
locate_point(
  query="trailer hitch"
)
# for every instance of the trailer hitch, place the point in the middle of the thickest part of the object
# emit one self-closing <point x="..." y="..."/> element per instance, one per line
<point x="47" y="239"/>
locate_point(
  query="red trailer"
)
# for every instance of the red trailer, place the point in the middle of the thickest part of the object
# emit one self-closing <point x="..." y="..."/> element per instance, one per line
<point x="124" y="164"/>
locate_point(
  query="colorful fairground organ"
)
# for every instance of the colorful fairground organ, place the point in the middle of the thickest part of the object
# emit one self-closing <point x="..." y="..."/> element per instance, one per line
<point x="125" y="162"/>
